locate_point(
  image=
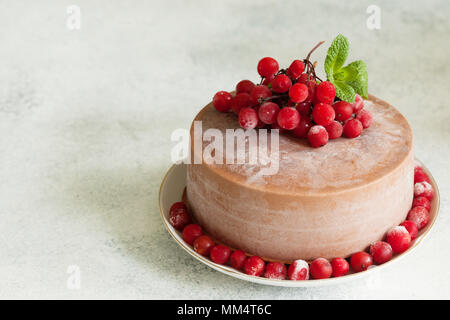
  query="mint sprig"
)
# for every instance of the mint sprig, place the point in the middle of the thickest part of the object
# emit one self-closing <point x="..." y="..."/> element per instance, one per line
<point x="347" y="80"/>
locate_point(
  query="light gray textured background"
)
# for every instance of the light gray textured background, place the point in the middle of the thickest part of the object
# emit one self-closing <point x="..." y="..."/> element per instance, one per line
<point x="86" y="118"/>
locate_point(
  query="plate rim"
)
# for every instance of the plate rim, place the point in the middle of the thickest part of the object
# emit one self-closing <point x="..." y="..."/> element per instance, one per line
<point x="290" y="283"/>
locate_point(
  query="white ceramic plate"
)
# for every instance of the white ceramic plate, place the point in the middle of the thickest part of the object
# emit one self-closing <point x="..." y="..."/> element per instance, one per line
<point x="171" y="191"/>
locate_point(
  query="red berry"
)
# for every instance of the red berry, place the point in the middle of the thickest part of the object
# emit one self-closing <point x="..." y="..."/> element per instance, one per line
<point x="323" y="114"/>
<point x="399" y="239"/>
<point x="222" y="101"/>
<point x="267" y="66"/>
<point x="352" y="128"/>
<point x="365" y="117"/>
<point x="326" y="92"/>
<point x="281" y="83"/>
<point x="420" y="175"/>
<point x="240" y="101"/>
<point x="298" y="270"/>
<point x="244" y="86"/>
<point x="304" y="108"/>
<point x="295" y="69"/>
<point x="248" y="118"/>
<point x="275" y="270"/>
<point x="340" y="267"/>
<point x="301" y="131"/>
<point x="358" y="104"/>
<point x="191" y="232"/>
<point x="381" y="252"/>
<point x="254" y="266"/>
<point x="420" y="216"/>
<point x="219" y="254"/>
<point x="422" y="202"/>
<point x="268" y="112"/>
<point x="320" y="269"/>
<point x="298" y="92"/>
<point x="423" y="189"/>
<point x="288" y="118"/>
<point x="343" y="109"/>
<point x="317" y="136"/>
<point x="268" y="80"/>
<point x="411" y="227"/>
<point x="305" y="78"/>
<point x="258" y="93"/>
<point x="260" y="123"/>
<point x="334" y="130"/>
<point x="203" y="245"/>
<point x="237" y="259"/>
<point x="179" y="217"/>
<point x="360" y="261"/>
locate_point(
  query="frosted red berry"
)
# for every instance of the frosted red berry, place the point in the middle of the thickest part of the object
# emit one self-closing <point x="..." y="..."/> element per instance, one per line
<point x="304" y="108"/>
<point x="352" y="128"/>
<point x="267" y="66"/>
<point x="340" y="267"/>
<point x="411" y="227"/>
<point x="178" y="216"/>
<point x="222" y="101"/>
<point x="288" y="118"/>
<point x="295" y="69"/>
<point x="399" y="239"/>
<point x="298" y="92"/>
<point x="301" y="131"/>
<point x="320" y="269"/>
<point x="191" y="232"/>
<point x="326" y="92"/>
<point x="275" y="270"/>
<point x="358" y="104"/>
<point x="422" y="202"/>
<point x="343" y="110"/>
<point x="237" y="259"/>
<point x="245" y="86"/>
<point x="268" y="80"/>
<point x="258" y="93"/>
<point x="323" y="114"/>
<point x="298" y="270"/>
<point x="240" y="101"/>
<point x="268" y="112"/>
<point x="423" y="189"/>
<point x="420" y="216"/>
<point x="420" y="175"/>
<point x="219" y="254"/>
<point x="317" y="136"/>
<point x="365" y="117"/>
<point x="360" y="261"/>
<point x="334" y="130"/>
<point x="281" y="83"/>
<point x="254" y="266"/>
<point x="381" y="252"/>
<point x="203" y="245"/>
<point x="248" y="118"/>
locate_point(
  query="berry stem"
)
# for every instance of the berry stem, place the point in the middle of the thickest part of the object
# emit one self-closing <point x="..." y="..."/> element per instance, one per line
<point x="312" y="50"/>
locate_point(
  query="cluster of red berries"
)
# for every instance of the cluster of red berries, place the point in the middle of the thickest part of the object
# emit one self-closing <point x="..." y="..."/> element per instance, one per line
<point x="398" y="240"/>
<point x="294" y="100"/>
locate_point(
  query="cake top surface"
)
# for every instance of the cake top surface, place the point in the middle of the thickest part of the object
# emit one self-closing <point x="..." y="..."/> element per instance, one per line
<point x="340" y="164"/>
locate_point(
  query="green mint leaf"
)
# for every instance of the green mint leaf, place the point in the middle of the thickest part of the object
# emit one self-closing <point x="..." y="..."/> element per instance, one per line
<point x="358" y="78"/>
<point x="344" y="91"/>
<point x="350" y="79"/>
<point x="336" y="56"/>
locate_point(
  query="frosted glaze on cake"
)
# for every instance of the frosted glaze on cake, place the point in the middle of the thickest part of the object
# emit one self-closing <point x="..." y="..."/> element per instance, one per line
<point x="323" y="202"/>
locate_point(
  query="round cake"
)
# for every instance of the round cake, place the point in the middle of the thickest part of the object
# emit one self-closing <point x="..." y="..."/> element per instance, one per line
<point x="322" y="202"/>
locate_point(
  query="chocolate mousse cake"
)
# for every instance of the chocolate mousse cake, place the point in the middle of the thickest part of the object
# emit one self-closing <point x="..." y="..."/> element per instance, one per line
<point x="323" y="202"/>
<point x="344" y="167"/>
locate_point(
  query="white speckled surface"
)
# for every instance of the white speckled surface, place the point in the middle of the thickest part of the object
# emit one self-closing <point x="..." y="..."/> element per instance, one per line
<point x="86" y="118"/>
